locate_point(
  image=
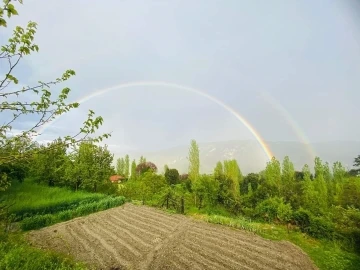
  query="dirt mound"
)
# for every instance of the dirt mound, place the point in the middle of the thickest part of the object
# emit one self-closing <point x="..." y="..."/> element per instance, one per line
<point x="140" y="237"/>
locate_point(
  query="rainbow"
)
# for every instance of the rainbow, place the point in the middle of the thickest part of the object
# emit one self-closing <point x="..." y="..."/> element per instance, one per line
<point x="295" y="127"/>
<point x="100" y="92"/>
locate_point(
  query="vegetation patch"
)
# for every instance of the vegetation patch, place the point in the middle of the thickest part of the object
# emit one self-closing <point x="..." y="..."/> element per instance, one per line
<point x="28" y="199"/>
<point x="40" y="221"/>
<point x="15" y="253"/>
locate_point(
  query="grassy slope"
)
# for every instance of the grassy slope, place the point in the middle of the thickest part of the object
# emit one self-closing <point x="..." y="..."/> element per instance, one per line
<point x="29" y="199"/>
<point x="32" y="198"/>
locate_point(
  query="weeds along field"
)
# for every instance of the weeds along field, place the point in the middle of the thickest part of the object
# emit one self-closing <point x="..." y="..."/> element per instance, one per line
<point x="28" y="199"/>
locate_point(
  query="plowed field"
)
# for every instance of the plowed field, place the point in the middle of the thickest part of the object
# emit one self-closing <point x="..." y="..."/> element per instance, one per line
<point x="140" y="237"/>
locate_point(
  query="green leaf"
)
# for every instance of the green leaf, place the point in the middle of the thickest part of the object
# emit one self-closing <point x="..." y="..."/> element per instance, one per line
<point x="3" y="22"/>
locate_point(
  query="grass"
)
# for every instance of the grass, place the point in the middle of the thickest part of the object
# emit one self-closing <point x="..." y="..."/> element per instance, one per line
<point x="326" y="255"/>
<point x="28" y="199"/>
<point x="40" y="221"/>
<point x="36" y="206"/>
<point x="15" y="253"/>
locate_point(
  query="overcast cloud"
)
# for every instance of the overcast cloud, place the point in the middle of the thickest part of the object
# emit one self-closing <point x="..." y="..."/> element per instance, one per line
<point x="305" y="54"/>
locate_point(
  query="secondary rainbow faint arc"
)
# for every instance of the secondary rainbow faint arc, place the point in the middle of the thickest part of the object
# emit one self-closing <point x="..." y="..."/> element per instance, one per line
<point x="297" y="130"/>
<point x="100" y="92"/>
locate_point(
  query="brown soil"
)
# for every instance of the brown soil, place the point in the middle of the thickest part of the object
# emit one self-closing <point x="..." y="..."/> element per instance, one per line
<point x="140" y="237"/>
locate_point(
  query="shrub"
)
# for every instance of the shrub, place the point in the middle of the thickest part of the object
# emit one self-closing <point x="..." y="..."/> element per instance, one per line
<point x="321" y="228"/>
<point x="302" y="218"/>
<point x="37" y="222"/>
<point x="284" y="212"/>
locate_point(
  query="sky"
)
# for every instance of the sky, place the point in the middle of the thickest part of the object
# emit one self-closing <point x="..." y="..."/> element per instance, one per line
<point x="290" y="68"/>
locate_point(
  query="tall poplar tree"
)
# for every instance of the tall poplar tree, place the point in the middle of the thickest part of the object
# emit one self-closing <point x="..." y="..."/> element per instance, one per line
<point x="127" y="166"/>
<point x="194" y="161"/>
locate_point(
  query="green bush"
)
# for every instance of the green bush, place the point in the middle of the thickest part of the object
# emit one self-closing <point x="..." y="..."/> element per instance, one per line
<point x="284" y="212"/>
<point x="274" y="208"/>
<point x="302" y="218"/>
<point x="267" y="209"/>
<point x="321" y="228"/>
<point x="40" y="221"/>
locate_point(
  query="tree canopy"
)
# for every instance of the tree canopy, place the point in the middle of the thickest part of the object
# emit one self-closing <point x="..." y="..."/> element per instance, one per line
<point x="43" y="106"/>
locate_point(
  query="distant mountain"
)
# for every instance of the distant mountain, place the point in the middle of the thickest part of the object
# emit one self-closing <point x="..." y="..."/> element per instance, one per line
<point x="250" y="156"/>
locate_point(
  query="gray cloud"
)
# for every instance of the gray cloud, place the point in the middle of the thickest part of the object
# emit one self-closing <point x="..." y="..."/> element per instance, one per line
<point x="307" y="60"/>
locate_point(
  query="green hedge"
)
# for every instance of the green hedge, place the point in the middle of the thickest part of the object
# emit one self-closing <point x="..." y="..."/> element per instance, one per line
<point x="40" y="221"/>
<point x="30" y="211"/>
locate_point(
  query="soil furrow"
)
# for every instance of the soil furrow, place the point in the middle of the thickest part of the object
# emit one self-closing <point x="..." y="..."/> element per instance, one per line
<point x="234" y="252"/>
<point x="151" y="219"/>
<point x="119" y="241"/>
<point x="136" y="228"/>
<point x="199" y="256"/>
<point x="223" y="256"/>
<point x="147" y="222"/>
<point x="157" y="212"/>
<point x="87" y="246"/>
<point x="161" y="250"/>
<point x="194" y="260"/>
<point x="116" y="255"/>
<point x="243" y="246"/>
<point x="129" y="236"/>
<point x="187" y="264"/>
<point x="236" y="235"/>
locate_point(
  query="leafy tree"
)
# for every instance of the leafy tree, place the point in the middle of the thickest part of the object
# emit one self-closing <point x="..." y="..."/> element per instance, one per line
<point x="232" y="172"/>
<point x="172" y="176"/>
<point x="206" y="190"/>
<point x="133" y="170"/>
<point x="357" y="165"/>
<point x="44" y="107"/>
<point x="251" y="180"/>
<point x="350" y="194"/>
<point x="194" y="161"/>
<point x="166" y="168"/>
<point x="288" y="180"/>
<point x="49" y="165"/>
<point x="142" y="160"/>
<point x="91" y="166"/>
<point x="225" y="194"/>
<point x="320" y="185"/>
<point x="219" y="170"/>
<point x="357" y="161"/>
<point x="327" y="173"/>
<point x="127" y="166"/>
<point x="145" y="167"/>
<point x="150" y="184"/>
<point x="339" y="175"/>
<point x="120" y="166"/>
<point x="309" y="193"/>
<point x="185" y="181"/>
<point x="272" y="175"/>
